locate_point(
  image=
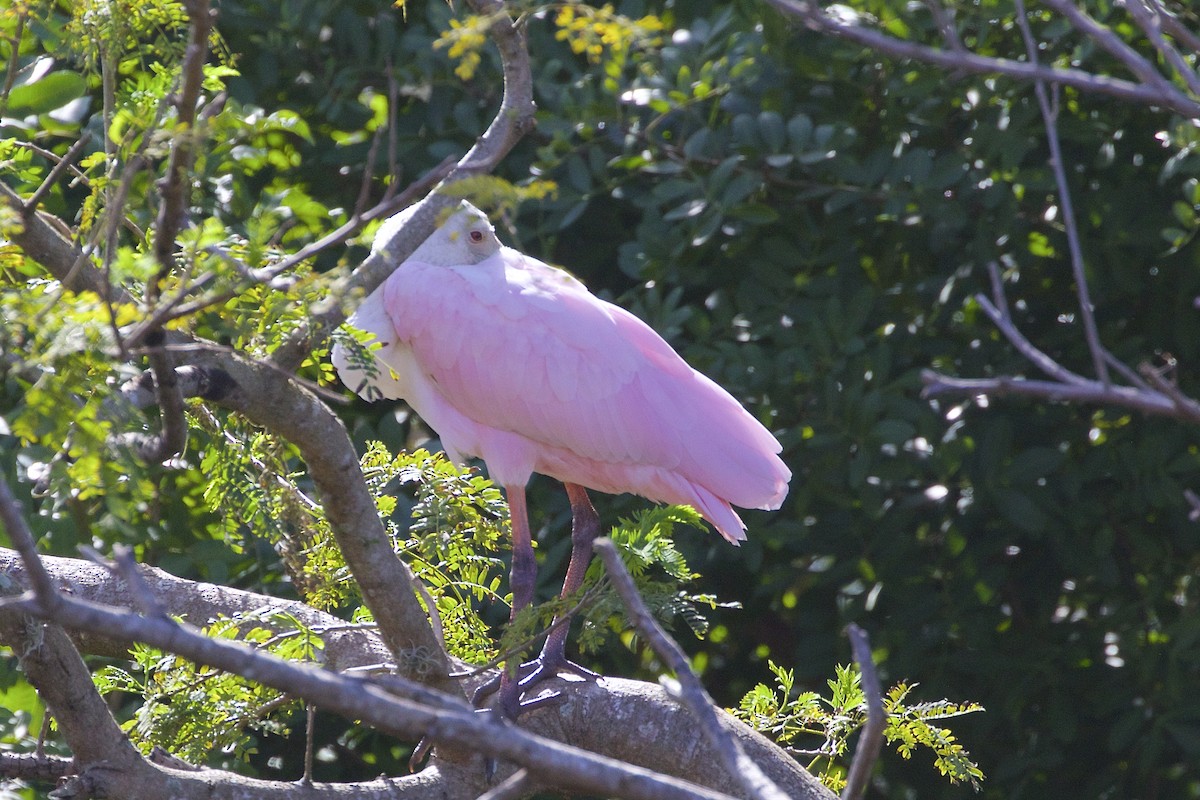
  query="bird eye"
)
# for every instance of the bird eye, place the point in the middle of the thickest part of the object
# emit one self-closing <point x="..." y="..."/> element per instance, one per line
<point x="476" y="236"/>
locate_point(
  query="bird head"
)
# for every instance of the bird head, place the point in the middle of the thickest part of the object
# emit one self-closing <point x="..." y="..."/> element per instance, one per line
<point x="464" y="237"/>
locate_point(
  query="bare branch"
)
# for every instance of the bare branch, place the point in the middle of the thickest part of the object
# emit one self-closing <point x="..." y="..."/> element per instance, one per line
<point x="870" y="740"/>
<point x="357" y="699"/>
<point x="512" y="121"/>
<point x="1158" y="92"/>
<point x="597" y="717"/>
<point x="514" y="786"/>
<point x="1108" y="40"/>
<point x="61" y="166"/>
<point x="1089" y="392"/>
<point x="1050" y="119"/>
<point x="1003" y="320"/>
<point x="691" y="692"/>
<point x="1178" y="30"/>
<point x="1149" y="17"/>
<point x="42" y="768"/>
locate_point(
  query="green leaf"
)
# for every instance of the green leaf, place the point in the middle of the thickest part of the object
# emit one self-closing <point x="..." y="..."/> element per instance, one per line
<point x="53" y="91"/>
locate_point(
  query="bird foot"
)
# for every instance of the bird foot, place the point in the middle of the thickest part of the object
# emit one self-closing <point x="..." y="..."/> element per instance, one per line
<point x="544" y="667"/>
<point x="514" y="694"/>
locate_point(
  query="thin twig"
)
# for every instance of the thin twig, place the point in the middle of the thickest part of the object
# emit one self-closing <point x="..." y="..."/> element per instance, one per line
<point x="39" y="749"/>
<point x="1158" y="93"/>
<point x="945" y="22"/>
<point x="44" y="590"/>
<point x="64" y="163"/>
<point x="1090" y="392"/>
<point x="1149" y="17"/>
<point x="50" y="155"/>
<point x="1050" y="119"/>
<point x="125" y="567"/>
<point x="519" y="784"/>
<point x="691" y="692"/>
<point x="310" y="731"/>
<point x="998" y="296"/>
<point x="1039" y="359"/>
<point x="870" y="740"/>
<point x="393" y="158"/>
<point x="435" y="617"/>
<point x="368" y="176"/>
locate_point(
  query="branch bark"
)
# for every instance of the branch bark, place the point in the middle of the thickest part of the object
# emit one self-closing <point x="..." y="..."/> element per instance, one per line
<point x="512" y="121"/>
<point x="1152" y="90"/>
<point x="692" y="693"/>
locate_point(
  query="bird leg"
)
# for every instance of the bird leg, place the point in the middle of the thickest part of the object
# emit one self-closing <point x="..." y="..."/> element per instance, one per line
<point x="585" y="527"/>
<point x="522" y="580"/>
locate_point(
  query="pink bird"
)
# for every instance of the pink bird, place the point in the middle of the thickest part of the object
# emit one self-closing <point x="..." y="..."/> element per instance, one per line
<point x="515" y="362"/>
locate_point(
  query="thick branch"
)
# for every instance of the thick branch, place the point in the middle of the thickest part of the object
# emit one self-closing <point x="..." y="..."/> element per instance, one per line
<point x="268" y="398"/>
<point x="598" y="717"/>
<point x="345" y="647"/>
<point x="44" y="243"/>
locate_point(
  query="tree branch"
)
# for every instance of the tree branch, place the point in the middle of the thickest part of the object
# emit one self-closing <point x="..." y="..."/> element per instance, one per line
<point x="1091" y="392"/>
<point x="870" y="740"/>
<point x="1155" y="92"/>
<point x="1050" y="120"/>
<point x="1149" y="17"/>
<point x="691" y="692"/>
<point x="512" y="121"/>
<point x="32" y="767"/>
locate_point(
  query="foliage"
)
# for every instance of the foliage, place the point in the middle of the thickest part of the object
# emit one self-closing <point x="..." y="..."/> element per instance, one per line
<point x="459" y="524"/>
<point x="194" y="712"/>
<point x="659" y="571"/>
<point x="806" y="221"/>
<point x="787" y="716"/>
<point x="602" y="35"/>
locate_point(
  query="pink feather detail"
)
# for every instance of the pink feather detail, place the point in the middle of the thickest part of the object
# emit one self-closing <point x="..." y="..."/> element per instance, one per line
<point x="515" y="362"/>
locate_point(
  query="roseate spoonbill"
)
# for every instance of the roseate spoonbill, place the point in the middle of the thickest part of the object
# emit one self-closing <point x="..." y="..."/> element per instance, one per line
<point x="515" y="362"/>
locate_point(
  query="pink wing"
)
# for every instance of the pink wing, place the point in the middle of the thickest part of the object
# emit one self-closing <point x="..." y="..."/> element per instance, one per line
<point x="590" y="393"/>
